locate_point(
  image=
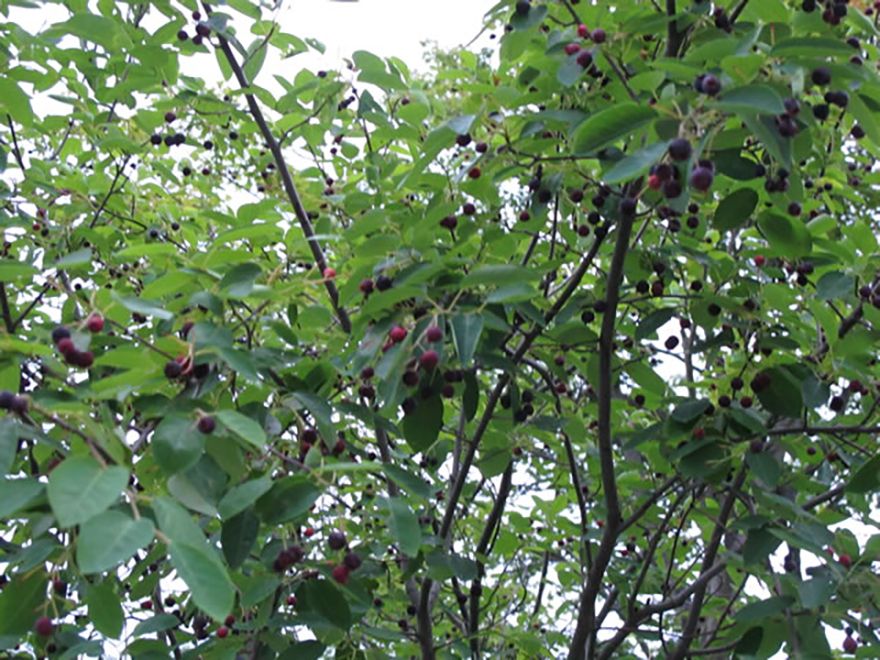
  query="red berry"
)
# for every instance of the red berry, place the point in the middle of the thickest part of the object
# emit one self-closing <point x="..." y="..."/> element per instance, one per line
<point x="760" y="260"/>
<point x="230" y="621"/>
<point x="599" y="36"/>
<point x="699" y="434"/>
<point x="222" y="632"/>
<point x="850" y="645"/>
<point x="571" y="49"/>
<point x="310" y="531"/>
<point x="291" y="600"/>
<point x="655" y="182"/>
<point x="397" y="334"/>
<point x="562" y="388"/>
<point x="66" y="346"/>
<point x="434" y="334"/>
<point x="583" y="31"/>
<point x="341" y="574"/>
<point x="83" y="359"/>
<point x="845" y="561"/>
<point x="147" y="604"/>
<point x="44" y="626"/>
<point x="95" y="323"/>
<point x="474" y="173"/>
<point x="329" y="273"/>
<point x="429" y="360"/>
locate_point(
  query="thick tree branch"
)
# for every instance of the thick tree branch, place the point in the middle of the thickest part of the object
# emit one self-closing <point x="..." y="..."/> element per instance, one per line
<point x="587" y="608"/>
<point x="289" y="187"/>
<point x="693" y="620"/>
<point x="674" y="38"/>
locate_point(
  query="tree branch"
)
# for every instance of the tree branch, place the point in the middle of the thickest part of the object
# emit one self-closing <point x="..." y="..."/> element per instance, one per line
<point x="289" y="187"/>
<point x="586" y="609"/>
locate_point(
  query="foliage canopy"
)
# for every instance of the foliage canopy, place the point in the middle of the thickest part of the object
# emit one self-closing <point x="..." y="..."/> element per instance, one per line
<point x="564" y="348"/>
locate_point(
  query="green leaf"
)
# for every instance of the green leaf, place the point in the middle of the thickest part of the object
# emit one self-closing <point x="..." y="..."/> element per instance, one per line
<point x="324" y="599"/>
<point x="422" y="427"/>
<point x="690" y="411"/>
<point x="177" y="443"/>
<point x="10" y="272"/>
<point x="16" y="102"/>
<point x="9" y="433"/>
<point x="498" y="274"/>
<point x="404" y="526"/>
<point x="787" y="237"/>
<point x="636" y="164"/>
<point x="77" y="258"/>
<point x="95" y="28"/>
<point x="570" y="71"/>
<point x="244" y="427"/>
<point x="239" y="281"/>
<point x="408" y="481"/>
<point x="835" y="284"/>
<point x="289" y="499"/>
<point x="256" y="57"/>
<point x="867" y="477"/>
<point x="241" y="497"/>
<point x="310" y="650"/>
<point x="466" y="330"/>
<point x="238" y="536"/>
<point x="654" y="321"/>
<point x="859" y="109"/>
<point x="816" y="592"/>
<point x="752" y="98"/>
<point x="810" y="47"/>
<point x="109" y="539"/>
<point x="20" y="603"/>
<point x="80" y="489"/>
<point x="646" y="377"/>
<point x="783" y="396"/>
<point x="177" y="524"/>
<point x="157" y="623"/>
<point x="105" y="612"/>
<point x="206" y="578"/>
<point x="735" y="210"/>
<point x="609" y="125"/>
<point x="763" y="609"/>
<point x="764" y="129"/>
<point x="144" y="307"/>
<point x="16" y="494"/>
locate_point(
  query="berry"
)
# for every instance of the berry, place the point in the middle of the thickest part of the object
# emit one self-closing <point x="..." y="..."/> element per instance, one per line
<point x="468" y="209"/>
<point x="203" y="29"/>
<point x="397" y="334"/>
<point x="82" y="359"/>
<point x="711" y="85"/>
<point x="845" y="560"/>
<point x="229" y="621"/>
<point x="367" y="372"/>
<point x="585" y="58"/>
<point x="583" y="31"/>
<point x="463" y="140"/>
<point x="170" y="117"/>
<point x="147" y="604"/>
<point x="655" y="182"/>
<point x="474" y="173"/>
<point x="571" y="49"/>
<point x="434" y="334"/>
<point x="598" y="36"/>
<point x="182" y="35"/>
<point x="66" y="346"/>
<point x="95" y="323"/>
<point x="524" y="216"/>
<point x="366" y="286"/>
<point x="341" y="574"/>
<point x="702" y="178"/>
<point x="821" y="76"/>
<point x="821" y="112"/>
<point x="481" y="147"/>
<point x="222" y="632"/>
<point x="336" y="540"/>
<point x="291" y="600"/>
<point x="760" y="260"/>
<point x="680" y="149"/>
<point x="429" y="360"/>
<point x="329" y="273"/>
<point x="450" y="222"/>
<point x="699" y="433"/>
<point x="59" y="333"/>
<point x="850" y="645"/>
<point x="207" y="424"/>
<point x="44" y="626"/>
<point x="352" y="561"/>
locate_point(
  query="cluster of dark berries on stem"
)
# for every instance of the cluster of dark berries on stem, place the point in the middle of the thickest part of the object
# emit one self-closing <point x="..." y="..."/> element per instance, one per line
<point x="64" y="343"/>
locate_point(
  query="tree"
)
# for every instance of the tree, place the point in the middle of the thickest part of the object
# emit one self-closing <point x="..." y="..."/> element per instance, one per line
<point x="565" y="348"/>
